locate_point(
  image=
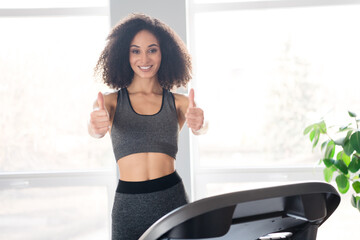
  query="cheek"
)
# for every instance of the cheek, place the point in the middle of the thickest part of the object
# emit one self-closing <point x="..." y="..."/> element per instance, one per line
<point x="132" y="61"/>
<point x="159" y="58"/>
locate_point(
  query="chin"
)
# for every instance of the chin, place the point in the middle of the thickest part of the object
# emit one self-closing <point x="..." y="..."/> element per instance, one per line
<point x="146" y="75"/>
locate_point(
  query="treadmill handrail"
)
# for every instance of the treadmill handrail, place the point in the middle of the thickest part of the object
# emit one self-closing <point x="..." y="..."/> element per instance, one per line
<point x="199" y="207"/>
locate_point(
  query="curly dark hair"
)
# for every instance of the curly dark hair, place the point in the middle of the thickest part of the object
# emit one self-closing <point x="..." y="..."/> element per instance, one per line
<point x="114" y="66"/>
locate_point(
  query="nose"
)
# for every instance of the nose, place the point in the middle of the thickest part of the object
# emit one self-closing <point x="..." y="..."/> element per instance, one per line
<point x="144" y="58"/>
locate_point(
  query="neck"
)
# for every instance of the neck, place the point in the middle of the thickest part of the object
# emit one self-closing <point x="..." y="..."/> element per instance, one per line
<point x="146" y="85"/>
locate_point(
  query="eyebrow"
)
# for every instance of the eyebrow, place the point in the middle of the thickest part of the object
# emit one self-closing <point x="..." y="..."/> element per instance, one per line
<point x="151" y="45"/>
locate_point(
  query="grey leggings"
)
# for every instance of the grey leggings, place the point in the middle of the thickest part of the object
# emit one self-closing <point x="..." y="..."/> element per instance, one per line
<point x="134" y="213"/>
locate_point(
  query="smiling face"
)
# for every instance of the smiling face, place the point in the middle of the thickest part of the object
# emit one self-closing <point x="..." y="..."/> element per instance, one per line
<point x="145" y="55"/>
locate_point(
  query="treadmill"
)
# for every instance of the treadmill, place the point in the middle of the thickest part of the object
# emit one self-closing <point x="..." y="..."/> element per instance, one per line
<point x="293" y="211"/>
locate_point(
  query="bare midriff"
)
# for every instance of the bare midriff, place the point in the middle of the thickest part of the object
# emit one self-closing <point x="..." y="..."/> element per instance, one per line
<point x="145" y="166"/>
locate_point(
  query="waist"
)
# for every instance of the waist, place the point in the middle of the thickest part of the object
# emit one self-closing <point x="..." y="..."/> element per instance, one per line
<point x="145" y="166"/>
<point x="149" y="186"/>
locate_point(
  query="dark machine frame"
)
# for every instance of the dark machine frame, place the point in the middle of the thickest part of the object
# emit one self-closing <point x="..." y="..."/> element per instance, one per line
<point x="296" y="211"/>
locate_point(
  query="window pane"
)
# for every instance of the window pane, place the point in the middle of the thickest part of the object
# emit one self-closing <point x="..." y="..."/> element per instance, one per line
<point x="47" y="90"/>
<point x="263" y="75"/>
<point x="78" y="213"/>
<point x="53" y="3"/>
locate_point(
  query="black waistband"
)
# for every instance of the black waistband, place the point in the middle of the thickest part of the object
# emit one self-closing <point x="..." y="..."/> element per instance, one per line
<point x="149" y="186"/>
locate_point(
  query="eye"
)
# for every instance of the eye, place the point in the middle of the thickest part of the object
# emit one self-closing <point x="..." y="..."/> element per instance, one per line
<point x="134" y="51"/>
<point x="153" y="50"/>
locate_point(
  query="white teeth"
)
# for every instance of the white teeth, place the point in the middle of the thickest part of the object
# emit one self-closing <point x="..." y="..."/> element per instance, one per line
<point x="144" y="68"/>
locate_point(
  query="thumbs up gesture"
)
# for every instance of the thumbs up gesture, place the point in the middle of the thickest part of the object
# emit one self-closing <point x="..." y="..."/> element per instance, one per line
<point x="194" y="115"/>
<point x="99" y="123"/>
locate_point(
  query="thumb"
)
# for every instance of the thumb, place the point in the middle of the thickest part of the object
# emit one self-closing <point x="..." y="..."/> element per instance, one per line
<point x="191" y="98"/>
<point x="101" y="101"/>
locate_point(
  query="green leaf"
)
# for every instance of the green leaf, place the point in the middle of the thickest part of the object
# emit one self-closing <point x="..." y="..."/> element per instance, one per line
<point x="316" y="138"/>
<point x="346" y="159"/>
<point x="328" y="162"/>
<point x="330" y="150"/>
<point x="348" y="148"/>
<point x="342" y="183"/>
<point x="352" y="114"/>
<point x="342" y="156"/>
<point x="356" y="186"/>
<point x="322" y="126"/>
<point x="348" y="134"/>
<point x="312" y="134"/>
<point x="323" y="145"/>
<point x="308" y="129"/>
<point x="344" y="128"/>
<point x="328" y="174"/>
<point x="355" y="141"/>
<point x="339" y="164"/>
<point x="354" y="165"/>
<point x="354" y="200"/>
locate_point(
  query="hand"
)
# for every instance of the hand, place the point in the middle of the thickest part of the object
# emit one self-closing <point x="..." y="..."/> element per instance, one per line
<point x="194" y="115"/>
<point x="99" y="118"/>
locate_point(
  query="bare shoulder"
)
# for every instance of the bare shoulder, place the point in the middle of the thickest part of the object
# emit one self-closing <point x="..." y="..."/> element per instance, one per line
<point x="181" y="100"/>
<point x="110" y="98"/>
<point x="110" y="103"/>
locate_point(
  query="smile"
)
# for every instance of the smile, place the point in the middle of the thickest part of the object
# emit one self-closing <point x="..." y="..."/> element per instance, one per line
<point x="145" y="67"/>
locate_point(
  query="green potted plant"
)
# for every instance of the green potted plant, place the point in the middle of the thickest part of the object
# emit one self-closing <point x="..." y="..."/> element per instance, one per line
<point x="340" y="155"/>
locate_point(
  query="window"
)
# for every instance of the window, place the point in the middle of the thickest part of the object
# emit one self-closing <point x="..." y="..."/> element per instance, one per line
<point x="54" y="178"/>
<point x="263" y="71"/>
<point x="273" y="72"/>
<point x="47" y="90"/>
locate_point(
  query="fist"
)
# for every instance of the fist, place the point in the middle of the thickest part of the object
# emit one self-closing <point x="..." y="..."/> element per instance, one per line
<point x="99" y="118"/>
<point x="194" y="115"/>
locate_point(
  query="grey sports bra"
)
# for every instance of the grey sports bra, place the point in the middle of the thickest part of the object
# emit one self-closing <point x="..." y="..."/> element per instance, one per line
<point x="136" y="133"/>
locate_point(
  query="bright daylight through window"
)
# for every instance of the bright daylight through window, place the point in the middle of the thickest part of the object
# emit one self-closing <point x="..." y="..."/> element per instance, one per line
<point x="51" y="175"/>
<point x="263" y="74"/>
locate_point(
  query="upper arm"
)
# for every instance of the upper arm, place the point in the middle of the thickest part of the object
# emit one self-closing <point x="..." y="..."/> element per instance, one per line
<point x="182" y="103"/>
<point x="110" y="103"/>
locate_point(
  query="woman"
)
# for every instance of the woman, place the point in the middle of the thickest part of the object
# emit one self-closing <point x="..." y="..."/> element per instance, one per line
<point x="144" y="58"/>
